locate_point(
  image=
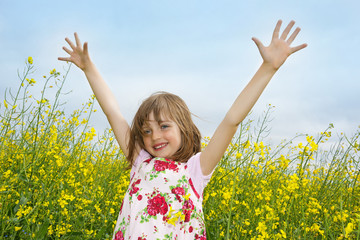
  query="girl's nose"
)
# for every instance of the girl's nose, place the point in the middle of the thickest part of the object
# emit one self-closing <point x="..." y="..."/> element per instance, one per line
<point x="156" y="134"/>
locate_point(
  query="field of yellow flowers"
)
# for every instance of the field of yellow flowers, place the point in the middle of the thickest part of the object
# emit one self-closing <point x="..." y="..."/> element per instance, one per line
<point x="60" y="179"/>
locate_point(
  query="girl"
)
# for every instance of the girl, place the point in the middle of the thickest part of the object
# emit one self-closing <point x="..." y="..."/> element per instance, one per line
<point x="162" y="146"/>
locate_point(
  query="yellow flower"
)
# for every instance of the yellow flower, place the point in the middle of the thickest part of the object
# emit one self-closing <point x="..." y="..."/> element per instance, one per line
<point x="5" y="104"/>
<point x="112" y="211"/>
<point x="172" y="221"/>
<point x="31" y="81"/>
<point x="17" y="228"/>
<point x="30" y="60"/>
<point x="7" y="173"/>
<point x="180" y="215"/>
<point x="53" y="71"/>
<point x="261" y="227"/>
<point x="258" y="211"/>
<point x="227" y="195"/>
<point x="62" y="203"/>
<point x="283" y="234"/>
<point x="98" y="209"/>
<point x="349" y="228"/>
<point x="313" y="145"/>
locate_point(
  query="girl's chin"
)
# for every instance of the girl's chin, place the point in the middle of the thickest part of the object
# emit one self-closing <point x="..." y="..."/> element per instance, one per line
<point x="159" y="155"/>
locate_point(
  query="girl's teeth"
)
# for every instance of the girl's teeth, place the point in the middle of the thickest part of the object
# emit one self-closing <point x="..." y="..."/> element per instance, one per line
<point x="157" y="147"/>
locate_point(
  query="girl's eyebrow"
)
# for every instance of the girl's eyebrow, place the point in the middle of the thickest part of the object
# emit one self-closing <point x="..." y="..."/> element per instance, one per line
<point x="161" y="121"/>
<point x="166" y="121"/>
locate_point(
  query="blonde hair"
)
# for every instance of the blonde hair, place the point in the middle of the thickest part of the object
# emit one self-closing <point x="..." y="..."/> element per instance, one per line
<point x="172" y="106"/>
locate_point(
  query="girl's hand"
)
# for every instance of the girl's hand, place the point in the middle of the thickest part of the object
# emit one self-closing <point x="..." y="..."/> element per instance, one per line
<point x="279" y="49"/>
<point x="79" y="55"/>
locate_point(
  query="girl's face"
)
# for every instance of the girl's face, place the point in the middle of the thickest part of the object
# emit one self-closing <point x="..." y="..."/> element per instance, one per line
<point x="161" y="139"/>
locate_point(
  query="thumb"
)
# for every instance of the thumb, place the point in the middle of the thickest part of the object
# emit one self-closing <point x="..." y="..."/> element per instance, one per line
<point x="258" y="43"/>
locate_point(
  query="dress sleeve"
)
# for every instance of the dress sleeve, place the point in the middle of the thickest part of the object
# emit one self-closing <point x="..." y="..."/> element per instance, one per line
<point x="199" y="180"/>
<point x="143" y="155"/>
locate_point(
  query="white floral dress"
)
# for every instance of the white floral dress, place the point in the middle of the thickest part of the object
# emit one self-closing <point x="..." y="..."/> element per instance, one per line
<point x="160" y="203"/>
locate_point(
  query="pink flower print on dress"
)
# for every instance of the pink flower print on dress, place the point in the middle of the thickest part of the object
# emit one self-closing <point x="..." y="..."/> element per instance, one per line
<point x="167" y="164"/>
<point x="119" y="236"/>
<point x="134" y="188"/>
<point x="160" y="165"/>
<point x="200" y="237"/>
<point x="178" y="191"/>
<point x="173" y="166"/>
<point x="203" y="237"/>
<point x="160" y="203"/>
<point x="187" y="209"/>
<point x="157" y="205"/>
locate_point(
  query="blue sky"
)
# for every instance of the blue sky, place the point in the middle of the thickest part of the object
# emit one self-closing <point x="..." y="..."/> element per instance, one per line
<point x="200" y="50"/>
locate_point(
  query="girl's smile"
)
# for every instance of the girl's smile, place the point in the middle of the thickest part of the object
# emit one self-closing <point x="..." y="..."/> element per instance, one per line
<point x="161" y="139"/>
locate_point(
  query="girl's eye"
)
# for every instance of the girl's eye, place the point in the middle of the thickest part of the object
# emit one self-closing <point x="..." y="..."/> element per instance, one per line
<point x="164" y="126"/>
<point x="147" y="132"/>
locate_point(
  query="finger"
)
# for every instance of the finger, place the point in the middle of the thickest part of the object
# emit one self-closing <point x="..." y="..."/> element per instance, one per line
<point x="277" y="29"/>
<point x="78" y="43"/>
<point x="287" y="30"/>
<point x="297" y="48"/>
<point x="258" y="43"/>
<point x="293" y="36"/>
<point x="85" y="48"/>
<point x="70" y="43"/>
<point x="64" y="59"/>
<point x="67" y="50"/>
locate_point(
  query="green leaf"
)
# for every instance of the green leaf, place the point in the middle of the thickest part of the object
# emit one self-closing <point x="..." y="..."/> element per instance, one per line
<point x="41" y="234"/>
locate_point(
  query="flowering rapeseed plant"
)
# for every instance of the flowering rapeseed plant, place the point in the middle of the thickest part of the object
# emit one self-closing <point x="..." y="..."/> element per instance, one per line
<point x="56" y="179"/>
<point x="285" y="192"/>
<point x="59" y="178"/>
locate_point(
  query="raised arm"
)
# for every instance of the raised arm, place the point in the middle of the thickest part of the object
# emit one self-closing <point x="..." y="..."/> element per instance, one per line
<point x="273" y="57"/>
<point x="79" y="55"/>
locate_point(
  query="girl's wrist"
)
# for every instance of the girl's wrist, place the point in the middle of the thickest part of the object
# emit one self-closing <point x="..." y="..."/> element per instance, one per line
<point x="269" y="67"/>
<point x="88" y="66"/>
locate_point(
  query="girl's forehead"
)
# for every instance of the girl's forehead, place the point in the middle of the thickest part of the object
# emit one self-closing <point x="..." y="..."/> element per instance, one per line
<point x="152" y="119"/>
<point x="154" y="122"/>
<point x="162" y="117"/>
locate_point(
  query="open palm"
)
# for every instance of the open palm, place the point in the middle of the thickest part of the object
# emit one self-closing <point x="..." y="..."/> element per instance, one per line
<point x="79" y="54"/>
<point x="279" y="49"/>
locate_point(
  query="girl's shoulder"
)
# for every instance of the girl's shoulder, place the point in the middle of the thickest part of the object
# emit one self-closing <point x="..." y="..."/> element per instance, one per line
<point x="193" y="164"/>
<point x="143" y="155"/>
